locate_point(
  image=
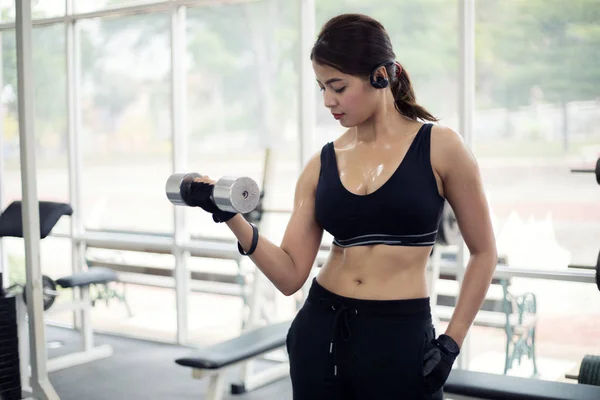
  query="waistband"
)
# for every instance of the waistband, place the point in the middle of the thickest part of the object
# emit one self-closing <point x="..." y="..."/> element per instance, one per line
<point x="418" y="308"/>
<point x="345" y="309"/>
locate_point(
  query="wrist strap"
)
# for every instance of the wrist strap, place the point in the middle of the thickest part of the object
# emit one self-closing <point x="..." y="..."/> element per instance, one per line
<point x="254" y="242"/>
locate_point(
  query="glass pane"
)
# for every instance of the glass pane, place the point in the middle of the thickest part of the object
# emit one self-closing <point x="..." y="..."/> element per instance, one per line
<point x="83" y="6"/>
<point x="7" y="10"/>
<point x="50" y="127"/>
<point x="50" y="118"/>
<point x="55" y="262"/>
<point x="146" y="286"/>
<point x="126" y="123"/>
<point x="242" y="98"/>
<point x="11" y="178"/>
<point x="537" y="115"/>
<point x="48" y="8"/>
<point x="40" y="9"/>
<point x="208" y="324"/>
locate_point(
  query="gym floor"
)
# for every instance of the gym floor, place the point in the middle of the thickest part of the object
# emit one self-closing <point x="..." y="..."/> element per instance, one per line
<point x="138" y="370"/>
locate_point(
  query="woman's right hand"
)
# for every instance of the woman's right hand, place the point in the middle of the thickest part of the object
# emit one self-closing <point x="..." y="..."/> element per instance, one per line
<point x="201" y="190"/>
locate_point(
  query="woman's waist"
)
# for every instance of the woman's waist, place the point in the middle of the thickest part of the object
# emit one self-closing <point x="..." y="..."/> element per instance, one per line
<point x="378" y="260"/>
<point x="376" y="278"/>
<point x="324" y="292"/>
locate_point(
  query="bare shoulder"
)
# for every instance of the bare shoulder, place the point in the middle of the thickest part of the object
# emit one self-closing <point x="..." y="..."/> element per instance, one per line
<point x="448" y="150"/>
<point x="463" y="187"/>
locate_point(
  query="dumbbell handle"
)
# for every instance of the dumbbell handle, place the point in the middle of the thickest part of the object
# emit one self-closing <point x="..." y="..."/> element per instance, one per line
<point x="585" y="171"/>
<point x="231" y="194"/>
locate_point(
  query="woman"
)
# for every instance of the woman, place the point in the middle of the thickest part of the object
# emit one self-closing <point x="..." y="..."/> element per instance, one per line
<point x="365" y="331"/>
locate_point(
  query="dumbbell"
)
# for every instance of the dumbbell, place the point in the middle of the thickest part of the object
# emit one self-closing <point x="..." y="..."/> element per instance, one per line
<point x="231" y="194"/>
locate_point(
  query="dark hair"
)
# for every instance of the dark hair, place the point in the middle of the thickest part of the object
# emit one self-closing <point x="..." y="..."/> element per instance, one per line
<point x="356" y="44"/>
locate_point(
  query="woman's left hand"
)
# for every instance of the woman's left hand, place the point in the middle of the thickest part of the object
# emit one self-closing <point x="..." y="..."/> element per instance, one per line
<point x="438" y="361"/>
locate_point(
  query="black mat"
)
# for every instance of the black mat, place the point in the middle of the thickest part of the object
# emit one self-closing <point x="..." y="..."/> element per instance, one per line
<point x="138" y="370"/>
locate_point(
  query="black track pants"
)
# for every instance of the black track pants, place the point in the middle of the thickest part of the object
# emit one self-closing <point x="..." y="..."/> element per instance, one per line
<point x="343" y="348"/>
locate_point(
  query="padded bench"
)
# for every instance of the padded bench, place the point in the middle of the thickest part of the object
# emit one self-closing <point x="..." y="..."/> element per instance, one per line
<point x="216" y="360"/>
<point x="11" y="222"/>
<point x="100" y="277"/>
<point x="11" y="225"/>
<point x="93" y="276"/>
<point x="479" y="385"/>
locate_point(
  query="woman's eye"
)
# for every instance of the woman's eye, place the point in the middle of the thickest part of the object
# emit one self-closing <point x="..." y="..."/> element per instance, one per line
<point x="340" y="90"/>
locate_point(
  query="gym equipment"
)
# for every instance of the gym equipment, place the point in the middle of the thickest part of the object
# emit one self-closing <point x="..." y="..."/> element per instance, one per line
<point x="595" y="268"/>
<point x="598" y="271"/>
<point x="589" y="370"/>
<point x="595" y="171"/>
<point x="93" y="276"/>
<point x="216" y="360"/>
<point x="49" y="214"/>
<point x="48" y="290"/>
<point x="448" y="231"/>
<point x="231" y="194"/>
<point x="465" y="384"/>
<point x="10" y="374"/>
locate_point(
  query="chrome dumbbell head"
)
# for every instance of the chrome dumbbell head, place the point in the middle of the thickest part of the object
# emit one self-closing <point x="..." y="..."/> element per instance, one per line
<point x="178" y="187"/>
<point x="238" y="195"/>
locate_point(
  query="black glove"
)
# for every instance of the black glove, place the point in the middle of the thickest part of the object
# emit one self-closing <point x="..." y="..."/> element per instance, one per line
<point x="439" y="357"/>
<point x="201" y="196"/>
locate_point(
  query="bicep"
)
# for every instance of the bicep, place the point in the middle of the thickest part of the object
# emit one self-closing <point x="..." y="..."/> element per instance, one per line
<point x="464" y="190"/>
<point x="303" y="234"/>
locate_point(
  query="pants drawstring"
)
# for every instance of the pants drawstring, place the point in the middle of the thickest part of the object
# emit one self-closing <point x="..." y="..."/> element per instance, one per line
<point x="343" y="314"/>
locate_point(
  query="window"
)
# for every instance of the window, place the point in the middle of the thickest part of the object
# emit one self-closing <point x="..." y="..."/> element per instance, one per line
<point x="125" y="140"/>
<point x="84" y="6"/>
<point x="39" y="9"/>
<point x="537" y="115"/>
<point x="241" y="90"/>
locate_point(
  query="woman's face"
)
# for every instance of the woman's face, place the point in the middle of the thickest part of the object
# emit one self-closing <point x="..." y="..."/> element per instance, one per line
<point x="350" y="99"/>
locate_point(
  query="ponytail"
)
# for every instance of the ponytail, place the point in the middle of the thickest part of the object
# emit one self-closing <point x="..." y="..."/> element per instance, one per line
<point x="406" y="102"/>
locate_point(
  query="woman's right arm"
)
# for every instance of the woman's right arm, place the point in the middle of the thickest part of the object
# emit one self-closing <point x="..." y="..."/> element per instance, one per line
<point x="288" y="265"/>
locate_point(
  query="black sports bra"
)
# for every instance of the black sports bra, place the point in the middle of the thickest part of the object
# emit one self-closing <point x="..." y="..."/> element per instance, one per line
<point x="405" y="211"/>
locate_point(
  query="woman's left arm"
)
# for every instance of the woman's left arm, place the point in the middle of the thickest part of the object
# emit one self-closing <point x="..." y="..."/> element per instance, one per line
<point x="463" y="189"/>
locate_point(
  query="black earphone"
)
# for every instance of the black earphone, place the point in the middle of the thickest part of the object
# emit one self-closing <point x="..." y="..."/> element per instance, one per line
<point x="381" y="82"/>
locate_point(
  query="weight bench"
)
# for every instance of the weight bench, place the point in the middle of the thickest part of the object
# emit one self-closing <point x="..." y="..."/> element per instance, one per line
<point x="83" y="304"/>
<point x="100" y="278"/>
<point x="466" y="385"/>
<point x="50" y="213"/>
<point x="217" y="360"/>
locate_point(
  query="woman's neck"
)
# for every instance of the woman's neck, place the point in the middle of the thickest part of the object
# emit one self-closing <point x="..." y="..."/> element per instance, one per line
<point x="385" y="126"/>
